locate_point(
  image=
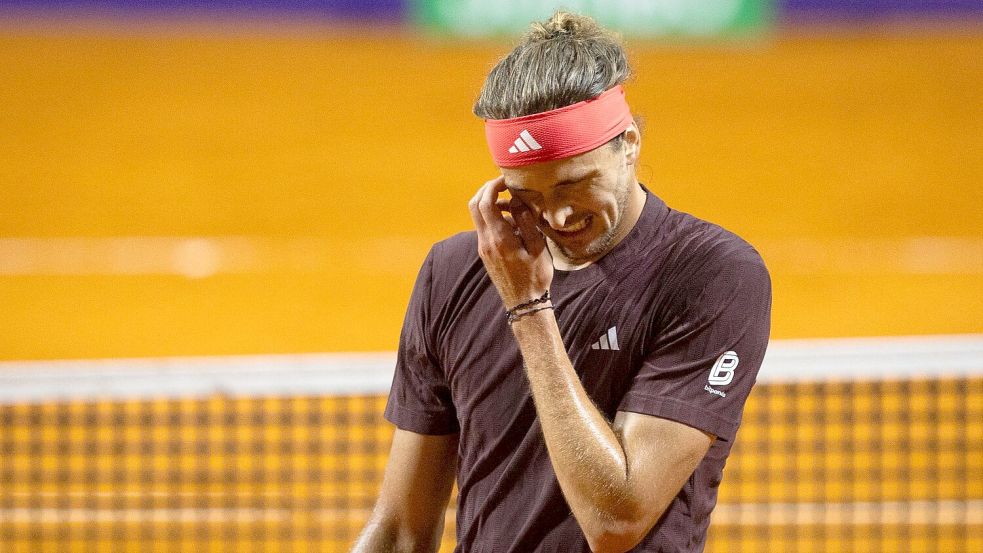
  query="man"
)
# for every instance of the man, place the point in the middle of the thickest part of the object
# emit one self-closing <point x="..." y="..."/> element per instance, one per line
<point x="580" y="362"/>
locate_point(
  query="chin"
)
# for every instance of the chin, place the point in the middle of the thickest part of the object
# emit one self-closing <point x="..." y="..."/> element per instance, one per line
<point x="585" y="249"/>
<point x="583" y="253"/>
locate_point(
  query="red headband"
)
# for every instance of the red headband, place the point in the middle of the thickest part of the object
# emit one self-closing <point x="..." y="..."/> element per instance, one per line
<point x="559" y="133"/>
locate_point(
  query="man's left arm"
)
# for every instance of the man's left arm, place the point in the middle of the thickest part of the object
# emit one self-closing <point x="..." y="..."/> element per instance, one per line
<point x="618" y="479"/>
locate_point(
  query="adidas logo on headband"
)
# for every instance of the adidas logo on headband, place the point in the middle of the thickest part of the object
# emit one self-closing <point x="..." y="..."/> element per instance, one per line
<point x="559" y="133"/>
<point x="524" y="143"/>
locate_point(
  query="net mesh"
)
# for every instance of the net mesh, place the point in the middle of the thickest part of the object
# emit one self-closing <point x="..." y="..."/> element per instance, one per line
<point x="828" y="466"/>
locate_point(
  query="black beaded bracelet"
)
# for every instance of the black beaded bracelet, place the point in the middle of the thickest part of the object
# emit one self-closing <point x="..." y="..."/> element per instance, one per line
<point x="541" y="299"/>
<point x="512" y="316"/>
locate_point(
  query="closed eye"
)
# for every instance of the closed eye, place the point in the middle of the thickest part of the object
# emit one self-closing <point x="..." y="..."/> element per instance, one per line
<point x="570" y="183"/>
<point x="578" y="180"/>
<point x="523" y="194"/>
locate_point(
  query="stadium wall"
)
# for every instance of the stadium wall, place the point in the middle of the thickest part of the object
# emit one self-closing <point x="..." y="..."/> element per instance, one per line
<point x="792" y="11"/>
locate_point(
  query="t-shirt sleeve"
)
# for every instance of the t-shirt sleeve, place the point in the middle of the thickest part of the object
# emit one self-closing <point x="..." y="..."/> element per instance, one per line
<point x="420" y="399"/>
<point x="711" y="339"/>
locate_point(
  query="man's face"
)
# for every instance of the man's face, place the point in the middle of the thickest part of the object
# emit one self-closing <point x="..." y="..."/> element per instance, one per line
<point x="580" y="202"/>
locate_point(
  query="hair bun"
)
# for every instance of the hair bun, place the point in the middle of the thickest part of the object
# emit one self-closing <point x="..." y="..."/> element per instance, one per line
<point x="563" y="60"/>
<point x="563" y="24"/>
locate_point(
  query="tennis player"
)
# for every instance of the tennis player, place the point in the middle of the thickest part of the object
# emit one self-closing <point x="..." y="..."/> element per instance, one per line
<point x="581" y="360"/>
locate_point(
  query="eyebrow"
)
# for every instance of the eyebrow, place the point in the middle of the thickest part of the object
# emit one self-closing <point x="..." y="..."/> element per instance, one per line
<point x="590" y="174"/>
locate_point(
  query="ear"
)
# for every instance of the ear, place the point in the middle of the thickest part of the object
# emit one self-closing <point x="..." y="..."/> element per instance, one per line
<point x="632" y="143"/>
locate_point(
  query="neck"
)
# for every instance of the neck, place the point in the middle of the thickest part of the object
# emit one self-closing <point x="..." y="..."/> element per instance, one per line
<point x="633" y="211"/>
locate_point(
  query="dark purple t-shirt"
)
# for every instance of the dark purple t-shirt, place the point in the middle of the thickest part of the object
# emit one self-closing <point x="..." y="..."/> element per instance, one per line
<point x="673" y="322"/>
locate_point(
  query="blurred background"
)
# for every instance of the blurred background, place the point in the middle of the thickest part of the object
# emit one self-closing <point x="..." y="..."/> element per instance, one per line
<point x="212" y="214"/>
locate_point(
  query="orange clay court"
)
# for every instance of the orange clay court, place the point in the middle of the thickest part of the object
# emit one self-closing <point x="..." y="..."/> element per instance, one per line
<point x="321" y="170"/>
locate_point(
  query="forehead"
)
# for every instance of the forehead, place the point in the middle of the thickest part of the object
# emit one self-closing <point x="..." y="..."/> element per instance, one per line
<point x="541" y="176"/>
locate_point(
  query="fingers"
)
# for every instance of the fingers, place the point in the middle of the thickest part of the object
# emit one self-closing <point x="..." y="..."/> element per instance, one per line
<point x="486" y="206"/>
<point x="487" y="202"/>
<point x="529" y="233"/>
<point x="504" y="206"/>
<point x="473" y="210"/>
<point x="497" y="234"/>
<point x="479" y="221"/>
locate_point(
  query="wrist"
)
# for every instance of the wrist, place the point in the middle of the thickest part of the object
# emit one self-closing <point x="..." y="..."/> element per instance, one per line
<point x="525" y="302"/>
<point x="526" y="308"/>
<point x="515" y="315"/>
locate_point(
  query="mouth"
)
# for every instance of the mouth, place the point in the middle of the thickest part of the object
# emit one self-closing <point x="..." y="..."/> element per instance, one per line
<point x="576" y="230"/>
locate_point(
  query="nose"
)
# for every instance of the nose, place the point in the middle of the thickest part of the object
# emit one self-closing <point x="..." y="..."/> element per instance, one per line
<point x="557" y="216"/>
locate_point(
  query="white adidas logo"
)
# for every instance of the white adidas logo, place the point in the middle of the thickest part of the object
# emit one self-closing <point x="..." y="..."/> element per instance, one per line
<point x="524" y="143"/>
<point x="608" y="340"/>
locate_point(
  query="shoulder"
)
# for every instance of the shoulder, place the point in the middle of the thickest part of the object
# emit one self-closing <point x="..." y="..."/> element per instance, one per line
<point x="461" y="246"/>
<point x="705" y="255"/>
<point x="700" y="244"/>
<point x="454" y="256"/>
<point x="457" y="250"/>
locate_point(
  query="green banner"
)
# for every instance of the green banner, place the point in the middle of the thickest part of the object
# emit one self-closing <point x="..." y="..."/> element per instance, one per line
<point x="632" y="17"/>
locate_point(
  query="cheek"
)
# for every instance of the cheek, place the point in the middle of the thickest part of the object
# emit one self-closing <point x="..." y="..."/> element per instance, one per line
<point x="606" y="207"/>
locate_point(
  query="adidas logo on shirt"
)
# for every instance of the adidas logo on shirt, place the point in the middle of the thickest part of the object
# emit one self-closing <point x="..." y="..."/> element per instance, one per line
<point x="609" y="340"/>
<point x="524" y="143"/>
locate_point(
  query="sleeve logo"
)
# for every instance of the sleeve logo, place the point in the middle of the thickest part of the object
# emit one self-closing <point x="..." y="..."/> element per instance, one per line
<point x="722" y="372"/>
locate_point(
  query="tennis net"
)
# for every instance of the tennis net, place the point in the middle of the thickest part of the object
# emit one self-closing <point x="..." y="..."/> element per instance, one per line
<point x="846" y="445"/>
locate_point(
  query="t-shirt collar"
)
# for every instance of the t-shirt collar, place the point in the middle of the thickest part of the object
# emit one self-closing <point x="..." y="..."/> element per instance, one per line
<point x="653" y="214"/>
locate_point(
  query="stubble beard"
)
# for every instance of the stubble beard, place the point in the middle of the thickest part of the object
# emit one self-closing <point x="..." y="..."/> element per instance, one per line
<point x="597" y="248"/>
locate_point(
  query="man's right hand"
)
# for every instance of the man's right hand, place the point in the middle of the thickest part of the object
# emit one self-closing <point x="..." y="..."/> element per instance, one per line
<point x="512" y="249"/>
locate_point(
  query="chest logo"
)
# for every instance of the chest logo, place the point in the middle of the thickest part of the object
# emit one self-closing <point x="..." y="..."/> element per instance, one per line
<point x="608" y="340"/>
